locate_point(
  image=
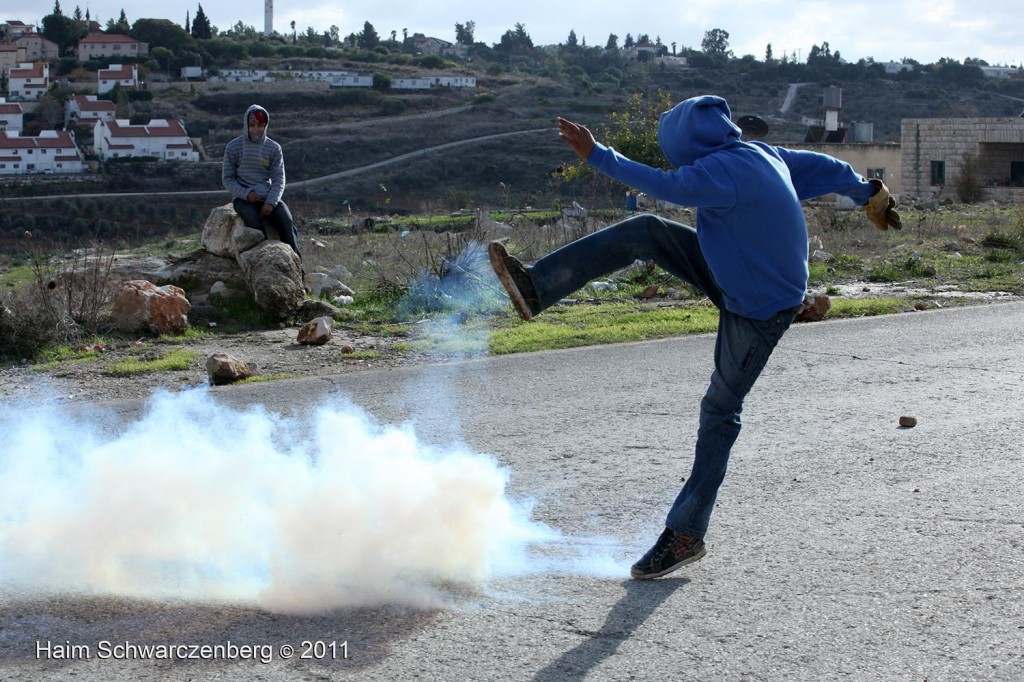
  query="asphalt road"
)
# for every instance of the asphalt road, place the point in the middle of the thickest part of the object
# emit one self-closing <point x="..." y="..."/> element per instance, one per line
<point x="842" y="547"/>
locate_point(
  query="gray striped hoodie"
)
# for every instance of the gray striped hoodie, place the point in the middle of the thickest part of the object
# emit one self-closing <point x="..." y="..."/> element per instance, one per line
<point x="254" y="166"/>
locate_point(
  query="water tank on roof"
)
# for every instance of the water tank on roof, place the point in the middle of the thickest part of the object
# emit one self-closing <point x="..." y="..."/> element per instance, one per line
<point x="833" y="97"/>
<point x="863" y="132"/>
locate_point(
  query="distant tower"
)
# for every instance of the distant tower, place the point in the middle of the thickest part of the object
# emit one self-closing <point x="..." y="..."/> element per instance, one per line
<point x="268" y="17"/>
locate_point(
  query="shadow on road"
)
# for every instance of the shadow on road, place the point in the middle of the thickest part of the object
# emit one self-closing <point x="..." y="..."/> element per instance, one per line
<point x="642" y="598"/>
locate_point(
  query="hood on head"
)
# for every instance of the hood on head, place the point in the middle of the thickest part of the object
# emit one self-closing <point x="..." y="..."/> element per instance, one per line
<point x="260" y="113"/>
<point x="696" y="127"/>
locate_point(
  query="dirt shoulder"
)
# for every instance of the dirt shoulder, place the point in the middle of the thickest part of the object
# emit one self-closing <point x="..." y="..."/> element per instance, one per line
<point x="275" y="353"/>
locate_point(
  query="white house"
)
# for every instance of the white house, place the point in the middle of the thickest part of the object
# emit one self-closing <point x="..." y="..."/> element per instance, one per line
<point x="351" y="81"/>
<point x="159" y="139"/>
<point x="125" y="75"/>
<point x="242" y="76"/>
<point x="452" y="81"/>
<point x="87" y="109"/>
<point x="53" y="151"/>
<point x="411" y="83"/>
<point x="12" y="117"/>
<point x="27" y="82"/>
<point x="110" y="45"/>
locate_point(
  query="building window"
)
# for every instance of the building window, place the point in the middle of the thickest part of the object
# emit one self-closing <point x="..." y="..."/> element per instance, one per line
<point x="938" y="173"/>
<point x="1017" y="173"/>
<point x="876" y="174"/>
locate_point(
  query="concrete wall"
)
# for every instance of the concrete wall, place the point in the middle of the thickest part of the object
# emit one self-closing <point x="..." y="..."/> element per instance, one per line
<point x="864" y="156"/>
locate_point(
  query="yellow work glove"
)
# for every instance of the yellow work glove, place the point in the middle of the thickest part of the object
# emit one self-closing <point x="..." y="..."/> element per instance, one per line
<point x="881" y="208"/>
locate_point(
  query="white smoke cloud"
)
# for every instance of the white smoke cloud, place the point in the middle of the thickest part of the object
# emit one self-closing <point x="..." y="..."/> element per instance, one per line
<point x="199" y="501"/>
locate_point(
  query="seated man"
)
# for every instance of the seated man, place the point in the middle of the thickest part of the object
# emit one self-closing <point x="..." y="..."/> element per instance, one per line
<point x="253" y="172"/>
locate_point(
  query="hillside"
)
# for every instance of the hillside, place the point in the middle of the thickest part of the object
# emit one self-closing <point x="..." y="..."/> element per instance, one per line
<point x="327" y="132"/>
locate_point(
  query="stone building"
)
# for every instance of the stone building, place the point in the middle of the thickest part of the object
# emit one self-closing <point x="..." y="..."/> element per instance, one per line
<point x="935" y="150"/>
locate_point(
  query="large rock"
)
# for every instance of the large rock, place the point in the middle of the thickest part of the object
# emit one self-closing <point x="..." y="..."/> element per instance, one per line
<point x="217" y="230"/>
<point x="274" y="276"/>
<point x="198" y="270"/>
<point x="142" y="305"/>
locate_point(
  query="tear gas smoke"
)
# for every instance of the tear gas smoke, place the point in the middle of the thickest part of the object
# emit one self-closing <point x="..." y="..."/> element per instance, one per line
<point x="199" y="501"/>
<point x="203" y="502"/>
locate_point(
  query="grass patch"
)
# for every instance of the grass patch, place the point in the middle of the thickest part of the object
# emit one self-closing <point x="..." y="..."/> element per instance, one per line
<point x="262" y="378"/>
<point x="866" y="307"/>
<point x="586" y="325"/>
<point x="175" y="360"/>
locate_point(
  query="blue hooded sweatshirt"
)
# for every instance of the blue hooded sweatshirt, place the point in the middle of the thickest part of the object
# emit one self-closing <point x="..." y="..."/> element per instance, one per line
<point x="750" y="224"/>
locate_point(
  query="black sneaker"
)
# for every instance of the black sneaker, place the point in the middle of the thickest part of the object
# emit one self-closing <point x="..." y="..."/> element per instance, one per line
<point x="672" y="550"/>
<point x="514" y="277"/>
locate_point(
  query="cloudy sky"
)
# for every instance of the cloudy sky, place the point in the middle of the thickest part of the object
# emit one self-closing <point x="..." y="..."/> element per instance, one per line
<point x="924" y="30"/>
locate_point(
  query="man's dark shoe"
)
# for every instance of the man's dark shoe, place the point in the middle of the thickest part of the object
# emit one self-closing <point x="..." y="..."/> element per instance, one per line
<point x="672" y="550"/>
<point x="514" y="277"/>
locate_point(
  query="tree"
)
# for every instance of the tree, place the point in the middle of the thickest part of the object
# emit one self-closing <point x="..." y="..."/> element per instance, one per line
<point x="716" y="43"/>
<point x="120" y="26"/>
<point x="294" y="40"/>
<point x="368" y="38"/>
<point x="201" y="25"/>
<point x="188" y="22"/>
<point x="613" y="42"/>
<point x="571" y="41"/>
<point x="56" y="9"/>
<point x="464" y="33"/>
<point x="78" y="13"/>
<point x="63" y="31"/>
<point x="163" y="33"/>
<point x="515" y="41"/>
<point x="628" y="42"/>
<point x="50" y="110"/>
<point x="768" y="53"/>
<point x="162" y="56"/>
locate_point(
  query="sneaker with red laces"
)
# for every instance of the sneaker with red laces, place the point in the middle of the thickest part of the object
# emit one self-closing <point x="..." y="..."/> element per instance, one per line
<point x="514" y="276"/>
<point x="672" y="550"/>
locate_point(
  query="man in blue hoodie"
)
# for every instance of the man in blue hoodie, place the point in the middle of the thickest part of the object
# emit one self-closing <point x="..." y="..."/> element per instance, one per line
<point x="747" y="254"/>
<point x="253" y="171"/>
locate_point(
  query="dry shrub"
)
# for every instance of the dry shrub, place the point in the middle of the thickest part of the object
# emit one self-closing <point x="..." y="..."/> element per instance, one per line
<point x="67" y="299"/>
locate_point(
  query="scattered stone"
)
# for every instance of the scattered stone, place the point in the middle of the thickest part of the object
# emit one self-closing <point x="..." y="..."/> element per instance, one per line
<point x="347" y="350"/>
<point x="650" y="291"/>
<point x="920" y="306"/>
<point x="820" y="256"/>
<point x="908" y="422"/>
<point x="217" y="230"/>
<point x="226" y="369"/>
<point x="316" y="332"/>
<point x="316" y="308"/>
<point x="815" y="307"/>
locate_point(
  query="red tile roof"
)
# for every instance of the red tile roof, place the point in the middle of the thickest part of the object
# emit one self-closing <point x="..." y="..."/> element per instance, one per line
<point x="86" y="104"/>
<point x="35" y="72"/>
<point x="61" y="140"/>
<point x="172" y="129"/>
<point x="107" y="38"/>
<point x="120" y="73"/>
<point x="10" y="109"/>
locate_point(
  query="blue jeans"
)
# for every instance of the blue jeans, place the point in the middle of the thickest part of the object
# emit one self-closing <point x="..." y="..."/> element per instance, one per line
<point x="742" y="347"/>
<point x="280" y="218"/>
